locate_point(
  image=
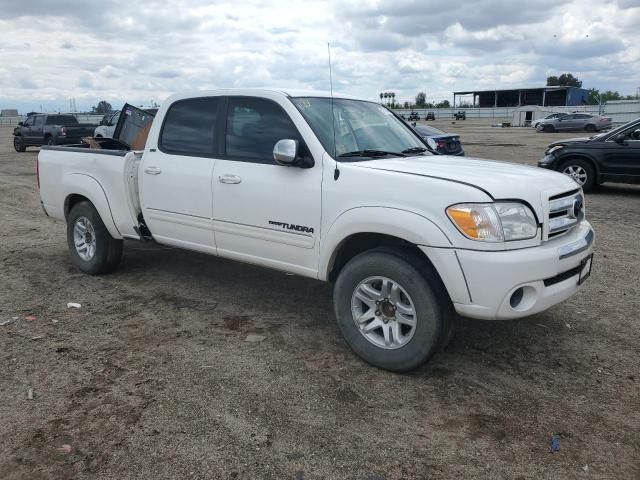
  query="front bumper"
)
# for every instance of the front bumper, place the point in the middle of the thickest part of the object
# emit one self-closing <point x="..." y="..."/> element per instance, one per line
<point x="548" y="161"/>
<point x="537" y="278"/>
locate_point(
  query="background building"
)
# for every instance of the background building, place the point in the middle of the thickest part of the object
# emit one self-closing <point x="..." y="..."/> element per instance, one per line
<point x="545" y="97"/>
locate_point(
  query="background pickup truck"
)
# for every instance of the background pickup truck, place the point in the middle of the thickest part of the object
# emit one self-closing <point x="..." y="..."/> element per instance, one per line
<point x="337" y="189"/>
<point x="44" y="129"/>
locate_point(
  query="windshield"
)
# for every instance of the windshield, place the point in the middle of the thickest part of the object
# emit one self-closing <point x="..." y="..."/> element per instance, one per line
<point x="359" y="127"/>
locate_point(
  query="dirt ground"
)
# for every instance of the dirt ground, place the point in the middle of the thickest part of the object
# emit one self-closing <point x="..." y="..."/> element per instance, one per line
<point x="155" y="375"/>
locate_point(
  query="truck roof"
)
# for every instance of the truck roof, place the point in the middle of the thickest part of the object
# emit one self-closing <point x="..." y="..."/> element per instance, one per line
<point x="259" y="92"/>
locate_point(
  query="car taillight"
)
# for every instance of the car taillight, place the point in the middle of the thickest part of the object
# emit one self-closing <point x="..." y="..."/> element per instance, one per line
<point x="442" y="143"/>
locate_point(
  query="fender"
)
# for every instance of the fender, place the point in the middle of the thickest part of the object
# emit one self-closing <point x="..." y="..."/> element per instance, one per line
<point x="409" y="226"/>
<point x="89" y="187"/>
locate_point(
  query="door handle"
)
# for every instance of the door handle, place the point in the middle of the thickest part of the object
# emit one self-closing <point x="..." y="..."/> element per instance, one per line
<point x="153" y="170"/>
<point x="229" y="179"/>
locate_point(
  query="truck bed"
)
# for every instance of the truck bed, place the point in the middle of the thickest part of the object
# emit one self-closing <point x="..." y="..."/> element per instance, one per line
<point x="105" y="177"/>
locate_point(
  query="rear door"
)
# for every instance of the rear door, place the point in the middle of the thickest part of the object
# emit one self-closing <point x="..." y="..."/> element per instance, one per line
<point x="36" y="132"/>
<point x="175" y="177"/>
<point x="263" y="212"/>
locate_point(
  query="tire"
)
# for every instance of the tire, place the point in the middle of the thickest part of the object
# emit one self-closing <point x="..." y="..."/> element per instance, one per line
<point x="420" y="291"/>
<point x="17" y="144"/>
<point x="590" y="128"/>
<point x="49" y="141"/>
<point x="581" y="171"/>
<point x="102" y="252"/>
<point x="548" y="128"/>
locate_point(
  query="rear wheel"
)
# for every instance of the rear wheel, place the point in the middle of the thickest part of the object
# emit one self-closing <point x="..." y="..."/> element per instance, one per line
<point x="392" y="309"/>
<point x="581" y="171"/>
<point x="93" y="249"/>
<point x="590" y="128"/>
<point x="17" y="144"/>
<point x="50" y="141"/>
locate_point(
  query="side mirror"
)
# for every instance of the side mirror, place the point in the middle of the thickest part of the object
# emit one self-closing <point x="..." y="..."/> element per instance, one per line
<point x="20" y="124"/>
<point x="285" y="151"/>
<point x="620" y="138"/>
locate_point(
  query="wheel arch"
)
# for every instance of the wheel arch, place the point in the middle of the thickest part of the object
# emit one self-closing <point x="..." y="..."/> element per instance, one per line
<point x="80" y="187"/>
<point x="364" y="228"/>
<point x="580" y="156"/>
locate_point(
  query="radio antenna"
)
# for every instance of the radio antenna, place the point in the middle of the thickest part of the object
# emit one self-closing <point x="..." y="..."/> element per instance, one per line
<point x="336" y="172"/>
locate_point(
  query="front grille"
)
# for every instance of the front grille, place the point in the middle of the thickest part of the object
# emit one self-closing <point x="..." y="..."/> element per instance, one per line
<point x="565" y="212"/>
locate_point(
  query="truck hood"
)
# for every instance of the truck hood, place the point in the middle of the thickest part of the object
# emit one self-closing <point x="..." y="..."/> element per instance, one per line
<point x="499" y="180"/>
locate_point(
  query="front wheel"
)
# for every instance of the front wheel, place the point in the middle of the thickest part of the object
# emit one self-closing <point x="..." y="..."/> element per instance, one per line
<point x="590" y="128"/>
<point x="581" y="171"/>
<point x="392" y="312"/>
<point x="17" y="144"/>
<point x="548" y="128"/>
<point x="93" y="249"/>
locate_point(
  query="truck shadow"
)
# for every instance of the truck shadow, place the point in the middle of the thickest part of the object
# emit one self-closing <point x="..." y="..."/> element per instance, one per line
<point x="249" y="298"/>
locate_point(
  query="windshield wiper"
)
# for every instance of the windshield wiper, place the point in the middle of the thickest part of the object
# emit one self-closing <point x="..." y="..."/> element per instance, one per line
<point x="371" y="153"/>
<point x="415" y="150"/>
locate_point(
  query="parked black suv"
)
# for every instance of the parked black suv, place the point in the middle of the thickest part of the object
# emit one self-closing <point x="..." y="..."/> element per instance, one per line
<point x="413" y="117"/>
<point x="612" y="156"/>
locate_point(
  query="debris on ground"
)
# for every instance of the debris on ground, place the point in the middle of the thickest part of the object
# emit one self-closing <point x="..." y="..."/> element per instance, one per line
<point x="555" y="443"/>
<point x="30" y="394"/>
<point x="254" y="338"/>
<point x="7" y="322"/>
<point x="585" y="468"/>
<point x="73" y="305"/>
<point x="65" y="448"/>
<point x="30" y="318"/>
<point x="38" y="337"/>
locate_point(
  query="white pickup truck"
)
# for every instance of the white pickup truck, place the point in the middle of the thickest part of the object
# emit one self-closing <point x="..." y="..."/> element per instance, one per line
<point x="336" y="189"/>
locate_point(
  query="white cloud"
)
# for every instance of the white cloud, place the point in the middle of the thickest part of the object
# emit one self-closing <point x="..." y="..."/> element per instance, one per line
<point x="120" y="50"/>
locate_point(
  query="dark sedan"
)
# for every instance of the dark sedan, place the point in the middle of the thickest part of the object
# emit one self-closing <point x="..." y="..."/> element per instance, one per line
<point x="447" y="143"/>
<point x="612" y="156"/>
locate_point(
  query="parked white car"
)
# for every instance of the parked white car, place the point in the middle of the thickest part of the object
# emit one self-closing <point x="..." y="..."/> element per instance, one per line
<point x="107" y="125"/>
<point x="340" y="190"/>
<point x="536" y="122"/>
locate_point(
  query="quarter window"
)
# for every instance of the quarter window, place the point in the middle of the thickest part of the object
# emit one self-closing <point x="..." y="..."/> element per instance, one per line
<point x="254" y="126"/>
<point x="189" y="127"/>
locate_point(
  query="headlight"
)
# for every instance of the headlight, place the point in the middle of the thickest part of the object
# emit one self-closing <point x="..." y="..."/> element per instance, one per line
<point x="494" y="222"/>
<point x="553" y="149"/>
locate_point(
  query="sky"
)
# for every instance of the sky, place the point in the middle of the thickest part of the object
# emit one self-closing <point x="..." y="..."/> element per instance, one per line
<point x="52" y="51"/>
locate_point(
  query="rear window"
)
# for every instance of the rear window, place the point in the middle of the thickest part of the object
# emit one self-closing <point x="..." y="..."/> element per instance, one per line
<point x="61" y="120"/>
<point x="189" y="127"/>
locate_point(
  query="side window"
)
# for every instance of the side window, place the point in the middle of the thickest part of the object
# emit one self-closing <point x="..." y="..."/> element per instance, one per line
<point x="254" y="126"/>
<point x="38" y="121"/>
<point x="29" y="121"/>
<point x="189" y="127"/>
<point x="633" y="133"/>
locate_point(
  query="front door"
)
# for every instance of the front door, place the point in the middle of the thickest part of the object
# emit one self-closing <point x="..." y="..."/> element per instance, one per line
<point x="263" y="212"/>
<point x="175" y="177"/>
<point x="25" y="130"/>
<point x="623" y="158"/>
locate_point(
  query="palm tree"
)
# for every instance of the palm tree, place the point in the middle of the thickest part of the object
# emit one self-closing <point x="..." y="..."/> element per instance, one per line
<point x="393" y="99"/>
<point x="381" y="95"/>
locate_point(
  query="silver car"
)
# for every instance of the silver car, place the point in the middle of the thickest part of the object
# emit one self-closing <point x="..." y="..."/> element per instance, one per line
<point x="574" y="121"/>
